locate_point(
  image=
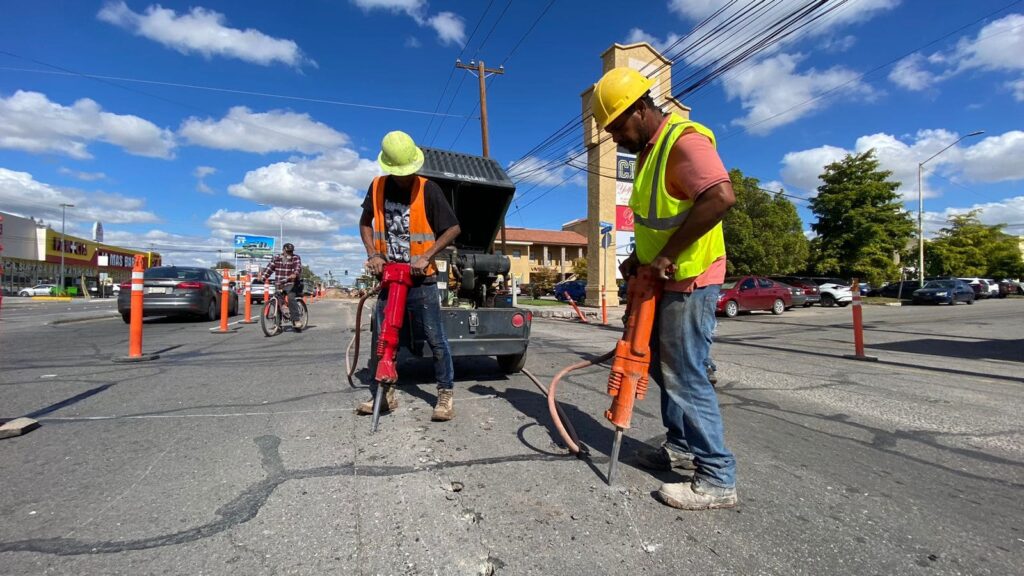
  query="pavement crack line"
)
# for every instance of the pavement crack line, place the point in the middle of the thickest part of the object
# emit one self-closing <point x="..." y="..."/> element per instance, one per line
<point x="248" y="503"/>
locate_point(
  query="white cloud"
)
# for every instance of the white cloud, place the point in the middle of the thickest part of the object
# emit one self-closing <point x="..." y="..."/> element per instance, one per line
<point x="262" y="132"/>
<point x="336" y="180"/>
<point x="203" y="31"/>
<point x="994" y="159"/>
<point x="21" y="193"/>
<point x="29" y="121"/>
<point x="1005" y="211"/>
<point x="996" y="48"/>
<point x="775" y="94"/>
<point x="449" y="26"/>
<point x="863" y="10"/>
<point x="201" y="172"/>
<point x="83" y="176"/>
<point x="174" y="249"/>
<point x="840" y="44"/>
<point x="908" y="73"/>
<point x="533" y="170"/>
<point x="413" y="42"/>
<point x="637" y="35"/>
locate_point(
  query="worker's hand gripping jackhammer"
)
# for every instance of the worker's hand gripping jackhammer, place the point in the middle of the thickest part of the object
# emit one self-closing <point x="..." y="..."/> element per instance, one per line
<point x="631" y="366"/>
<point x="396" y="279"/>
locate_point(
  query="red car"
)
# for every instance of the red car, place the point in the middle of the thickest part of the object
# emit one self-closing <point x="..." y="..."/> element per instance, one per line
<point x="747" y="293"/>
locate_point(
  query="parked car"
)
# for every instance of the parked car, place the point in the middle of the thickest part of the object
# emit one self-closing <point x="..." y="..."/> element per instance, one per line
<point x="993" y="287"/>
<point x="903" y="290"/>
<point x="799" y="298"/>
<point x="38" y="290"/>
<point x="811" y="290"/>
<point x="577" y="289"/>
<point x="176" y="290"/>
<point x="944" y="292"/>
<point x="256" y="292"/>
<point x="980" y="287"/>
<point x="748" y="293"/>
<point x="834" y="291"/>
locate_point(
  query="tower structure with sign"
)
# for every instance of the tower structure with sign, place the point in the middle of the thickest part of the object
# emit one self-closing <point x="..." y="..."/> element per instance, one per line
<point x="610" y="169"/>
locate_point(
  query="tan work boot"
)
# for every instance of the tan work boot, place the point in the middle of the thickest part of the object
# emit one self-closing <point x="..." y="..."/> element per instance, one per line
<point x="443" y="410"/>
<point x="389" y="403"/>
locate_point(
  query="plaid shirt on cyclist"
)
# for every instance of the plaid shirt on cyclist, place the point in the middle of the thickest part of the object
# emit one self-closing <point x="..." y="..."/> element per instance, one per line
<point x="284" y="268"/>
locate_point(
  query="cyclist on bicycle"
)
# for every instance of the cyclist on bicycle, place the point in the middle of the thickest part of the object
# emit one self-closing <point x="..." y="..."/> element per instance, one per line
<point x="288" y="268"/>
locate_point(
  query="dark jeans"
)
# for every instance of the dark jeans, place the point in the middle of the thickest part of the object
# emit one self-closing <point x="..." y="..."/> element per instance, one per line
<point x="294" y="291"/>
<point x="423" y="309"/>
<point x="689" y="406"/>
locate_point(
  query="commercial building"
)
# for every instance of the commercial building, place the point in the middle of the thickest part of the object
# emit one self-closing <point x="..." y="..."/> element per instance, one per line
<point x="31" y="254"/>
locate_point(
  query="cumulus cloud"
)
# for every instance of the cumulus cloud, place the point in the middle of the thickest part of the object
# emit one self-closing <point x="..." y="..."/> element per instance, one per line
<point x="336" y="180"/>
<point x="1007" y="211"/>
<point x="698" y="10"/>
<point x="29" y="121"/>
<point x="262" y="132"/>
<point x="83" y="176"/>
<point x="774" y="93"/>
<point x="994" y="159"/>
<point x="637" y="35"/>
<point x="21" y="193"/>
<point x="174" y="249"/>
<point x="449" y="26"/>
<point x="533" y="170"/>
<point x="996" y="48"/>
<point x="203" y="32"/>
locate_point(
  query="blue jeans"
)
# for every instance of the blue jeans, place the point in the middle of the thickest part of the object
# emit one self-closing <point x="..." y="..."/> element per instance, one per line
<point x="423" y="309"/>
<point x="689" y="406"/>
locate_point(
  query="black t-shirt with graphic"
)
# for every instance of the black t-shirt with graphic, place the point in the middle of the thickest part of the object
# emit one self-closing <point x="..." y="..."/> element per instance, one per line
<point x="440" y="215"/>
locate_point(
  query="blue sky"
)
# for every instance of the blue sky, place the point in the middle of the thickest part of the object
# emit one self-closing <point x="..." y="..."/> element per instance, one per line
<point x="175" y="123"/>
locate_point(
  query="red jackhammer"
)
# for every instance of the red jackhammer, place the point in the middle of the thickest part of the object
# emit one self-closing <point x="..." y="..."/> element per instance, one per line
<point x="396" y="279"/>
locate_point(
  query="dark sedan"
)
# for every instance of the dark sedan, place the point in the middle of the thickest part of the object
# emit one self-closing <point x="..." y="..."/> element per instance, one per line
<point x="903" y="290"/>
<point x="178" y="290"/>
<point x="811" y="290"/>
<point x="798" y="295"/>
<point x="748" y="293"/>
<point x="577" y="290"/>
<point x="944" y="292"/>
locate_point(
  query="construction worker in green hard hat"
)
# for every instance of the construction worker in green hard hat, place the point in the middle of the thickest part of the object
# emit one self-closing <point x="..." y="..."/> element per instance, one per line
<point x="407" y="219"/>
<point x="681" y="192"/>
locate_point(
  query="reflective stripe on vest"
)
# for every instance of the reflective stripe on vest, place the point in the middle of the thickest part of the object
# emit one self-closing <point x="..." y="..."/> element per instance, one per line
<point x="421" y="235"/>
<point x="657" y="214"/>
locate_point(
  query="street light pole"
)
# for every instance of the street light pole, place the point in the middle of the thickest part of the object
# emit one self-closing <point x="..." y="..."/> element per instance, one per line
<point x="60" y="283"/>
<point x="920" y="205"/>
<point x="280" y="216"/>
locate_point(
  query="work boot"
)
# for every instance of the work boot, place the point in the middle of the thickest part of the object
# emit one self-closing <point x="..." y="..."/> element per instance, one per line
<point x="664" y="458"/>
<point x="443" y="410"/>
<point x="697" y="495"/>
<point x="712" y="376"/>
<point x="388" y="403"/>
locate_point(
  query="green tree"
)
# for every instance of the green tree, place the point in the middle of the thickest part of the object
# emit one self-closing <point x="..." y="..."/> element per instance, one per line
<point x="763" y="232"/>
<point x="542" y="280"/>
<point x="223" y="264"/>
<point x="861" y="223"/>
<point x="579" y="268"/>
<point x="308" y="278"/>
<point x="966" y="247"/>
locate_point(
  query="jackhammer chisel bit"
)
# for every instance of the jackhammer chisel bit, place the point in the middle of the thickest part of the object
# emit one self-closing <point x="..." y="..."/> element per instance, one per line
<point x="627" y="381"/>
<point x="377" y="400"/>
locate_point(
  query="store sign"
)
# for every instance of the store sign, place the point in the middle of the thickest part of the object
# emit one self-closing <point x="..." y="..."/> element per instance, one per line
<point x="86" y="252"/>
<point x="254" y="246"/>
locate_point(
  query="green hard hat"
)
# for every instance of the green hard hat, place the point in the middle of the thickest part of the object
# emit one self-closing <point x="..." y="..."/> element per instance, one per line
<point x="399" y="155"/>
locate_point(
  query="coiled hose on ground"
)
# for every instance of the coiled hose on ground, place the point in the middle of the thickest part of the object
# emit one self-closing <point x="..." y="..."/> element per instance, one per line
<point x="350" y="361"/>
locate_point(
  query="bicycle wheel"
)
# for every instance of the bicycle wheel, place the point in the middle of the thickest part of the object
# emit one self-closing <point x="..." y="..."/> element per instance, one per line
<point x="303" y="315"/>
<point x="270" y="319"/>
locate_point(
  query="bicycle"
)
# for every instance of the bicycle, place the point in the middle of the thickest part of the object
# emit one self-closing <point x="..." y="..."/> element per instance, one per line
<point x="275" y="310"/>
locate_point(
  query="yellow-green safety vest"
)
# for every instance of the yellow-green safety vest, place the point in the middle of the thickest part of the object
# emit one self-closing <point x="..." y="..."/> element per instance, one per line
<point x="657" y="214"/>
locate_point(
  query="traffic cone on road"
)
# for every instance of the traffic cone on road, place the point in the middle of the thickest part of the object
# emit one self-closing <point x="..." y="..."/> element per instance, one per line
<point x="135" y="321"/>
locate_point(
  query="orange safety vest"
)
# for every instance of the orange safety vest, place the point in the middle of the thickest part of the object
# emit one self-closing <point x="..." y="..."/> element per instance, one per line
<point x="421" y="235"/>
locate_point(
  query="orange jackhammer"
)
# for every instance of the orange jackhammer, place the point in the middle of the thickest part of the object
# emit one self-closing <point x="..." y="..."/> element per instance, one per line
<point x="396" y="279"/>
<point x="631" y="366"/>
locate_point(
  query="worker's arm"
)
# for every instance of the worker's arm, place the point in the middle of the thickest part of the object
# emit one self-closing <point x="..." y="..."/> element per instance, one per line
<point x="374" y="261"/>
<point x="420" y="263"/>
<point x="707" y="211"/>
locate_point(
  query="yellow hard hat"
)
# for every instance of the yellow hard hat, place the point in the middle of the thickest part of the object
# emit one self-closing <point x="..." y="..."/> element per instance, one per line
<point x="617" y="90"/>
<point x="399" y="155"/>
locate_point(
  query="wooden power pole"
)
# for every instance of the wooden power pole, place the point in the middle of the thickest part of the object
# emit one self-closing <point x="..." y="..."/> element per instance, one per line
<point x="481" y="72"/>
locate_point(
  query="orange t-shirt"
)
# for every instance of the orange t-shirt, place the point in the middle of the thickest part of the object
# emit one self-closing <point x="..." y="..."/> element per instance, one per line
<point x="693" y="166"/>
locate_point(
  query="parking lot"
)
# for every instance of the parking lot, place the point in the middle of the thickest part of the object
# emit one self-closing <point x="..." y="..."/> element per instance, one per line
<point x="240" y="454"/>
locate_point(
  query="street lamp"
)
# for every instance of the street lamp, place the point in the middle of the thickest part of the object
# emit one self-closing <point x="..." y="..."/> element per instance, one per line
<point x="280" y="216"/>
<point x="60" y="282"/>
<point x="920" y="206"/>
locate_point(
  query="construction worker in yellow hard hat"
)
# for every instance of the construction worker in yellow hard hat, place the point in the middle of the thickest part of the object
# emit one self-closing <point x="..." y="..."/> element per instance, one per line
<point x="681" y="192"/>
<point x="407" y="219"/>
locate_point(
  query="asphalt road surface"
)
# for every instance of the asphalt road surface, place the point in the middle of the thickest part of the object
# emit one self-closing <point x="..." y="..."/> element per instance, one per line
<point x="240" y="454"/>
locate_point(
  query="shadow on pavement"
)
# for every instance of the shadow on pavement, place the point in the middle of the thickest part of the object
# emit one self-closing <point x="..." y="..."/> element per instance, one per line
<point x="1006" y="350"/>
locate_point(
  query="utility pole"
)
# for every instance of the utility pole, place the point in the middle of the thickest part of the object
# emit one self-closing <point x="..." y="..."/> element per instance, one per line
<point x="481" y="72"/>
